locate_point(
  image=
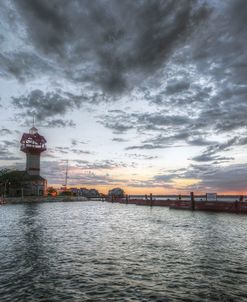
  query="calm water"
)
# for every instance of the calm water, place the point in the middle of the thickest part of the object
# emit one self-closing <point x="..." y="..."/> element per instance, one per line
<point x="94" y="251"/>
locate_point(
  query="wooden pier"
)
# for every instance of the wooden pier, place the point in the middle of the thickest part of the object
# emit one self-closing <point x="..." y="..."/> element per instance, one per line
<point x="192" y="203"/>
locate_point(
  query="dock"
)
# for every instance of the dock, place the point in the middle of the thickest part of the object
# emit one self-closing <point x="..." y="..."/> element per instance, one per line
<point x="226" y="204"/>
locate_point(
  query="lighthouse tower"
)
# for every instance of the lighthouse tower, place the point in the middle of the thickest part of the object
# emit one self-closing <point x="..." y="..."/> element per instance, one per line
<point x="33" y="144"/>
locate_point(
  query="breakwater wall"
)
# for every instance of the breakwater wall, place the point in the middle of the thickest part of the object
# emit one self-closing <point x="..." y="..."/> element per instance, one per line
<point x="40" y="199"/>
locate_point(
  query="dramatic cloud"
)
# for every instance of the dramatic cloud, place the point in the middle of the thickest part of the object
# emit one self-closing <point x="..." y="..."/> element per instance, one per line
<point x="44" y="105"/>
<point x="58" y="123"/>
<point x="145" y="146"/>
<point x="119" y="140"/>
<point x="5" y="131"/>
<point x="69" y="150"/>
<point x="207" y="178"/>
<point x="211" y="153"/>
<point x="231" y="178"/>
<point x="118" y="121"/>
<point x="100" y="165"/>
<point x="151" y="75"/>
<point x="22" y="66"/>
<point x="177" y="87"/>
<point x="115" y="42"/>
<point x="141" y="156"/>
<point x="7" y="150"/>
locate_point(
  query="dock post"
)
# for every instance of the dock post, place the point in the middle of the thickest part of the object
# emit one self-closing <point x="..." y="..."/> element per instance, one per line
<point x="192" y="201"/>
<point x="151" y="199"/>
<point x="127" y="199"/>
<point x="241" y="200"/>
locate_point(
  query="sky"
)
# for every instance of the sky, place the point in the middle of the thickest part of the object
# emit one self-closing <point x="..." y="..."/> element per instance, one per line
<point x="146" y="95"/>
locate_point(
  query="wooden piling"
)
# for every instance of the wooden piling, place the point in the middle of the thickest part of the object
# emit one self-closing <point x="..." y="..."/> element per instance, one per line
<point x="151" y="199"/>
<point x="192" y="201"/>
<point x="240" y="203"/>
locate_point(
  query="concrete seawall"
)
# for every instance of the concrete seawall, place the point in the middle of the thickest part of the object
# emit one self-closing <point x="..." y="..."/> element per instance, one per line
<point x="41" y="199"/>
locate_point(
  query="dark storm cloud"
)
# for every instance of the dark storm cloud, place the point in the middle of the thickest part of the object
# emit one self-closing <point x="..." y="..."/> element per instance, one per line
<point x="8" y="150"/>
<point x="176" y="129"/>
<point x="5" y="131"/>
<point x="6" y="158"/>
<point x="100" y="165"/>
<point x="68" y="150"/>
<point x="199" y="141"/>
<point x="121" y="122"/>
<point x="141" y="156"/>
<point x="232" y="178"/>
<point x="146" y="147"/>
<point x="191" y="66"/>
<point x="23" y="66"/>
<point x="219" y="51"/>
<point x="211" y="152"/>
<point x="215" y="178"/>
<point x="165" y="178"/>
<point x="118" y="121"/>
<point x="216" y="101"/>
<point x="165" y="181"/>
<point x="212" y="178"/>
<point x="79" y="151"/>
<point x="156" y="120"/>
<point x="63" y="150"/>
<point x="108" y="39"/>
<point x="75" y="142"/>
<point x="119" y="140"/>
<point x="44" y="105"/>
<point x="9" y="143"/>
<point x="173" y="128"/>
<point x="169" y="139"/>
<point x="149" y="184"/>
<point x="177" y="86"/>
<point x="58" y="123"/>
<point x="211" y="157"/>
<point x="118" y="127"/>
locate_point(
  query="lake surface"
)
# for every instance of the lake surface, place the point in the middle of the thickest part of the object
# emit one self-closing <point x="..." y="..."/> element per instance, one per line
<point x="97" y="251"/>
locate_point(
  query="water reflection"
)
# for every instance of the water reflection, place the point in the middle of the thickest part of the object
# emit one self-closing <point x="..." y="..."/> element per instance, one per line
<point x="110" y="252"/>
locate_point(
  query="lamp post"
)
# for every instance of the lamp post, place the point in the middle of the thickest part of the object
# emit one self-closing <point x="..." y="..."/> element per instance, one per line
<point x="5" y="187"/>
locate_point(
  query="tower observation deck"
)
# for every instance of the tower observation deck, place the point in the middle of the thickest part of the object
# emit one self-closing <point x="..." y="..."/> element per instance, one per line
<point x="33" y="144"/>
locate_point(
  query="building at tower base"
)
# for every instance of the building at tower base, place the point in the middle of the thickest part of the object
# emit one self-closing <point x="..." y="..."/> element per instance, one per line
<point x="21" y="184"/>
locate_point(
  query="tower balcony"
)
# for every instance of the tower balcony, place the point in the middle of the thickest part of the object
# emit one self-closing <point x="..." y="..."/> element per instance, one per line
<point x="30" y="148"/>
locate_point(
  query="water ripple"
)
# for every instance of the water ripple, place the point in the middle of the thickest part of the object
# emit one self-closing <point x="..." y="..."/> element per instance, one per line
<point x="108" y="252"/>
